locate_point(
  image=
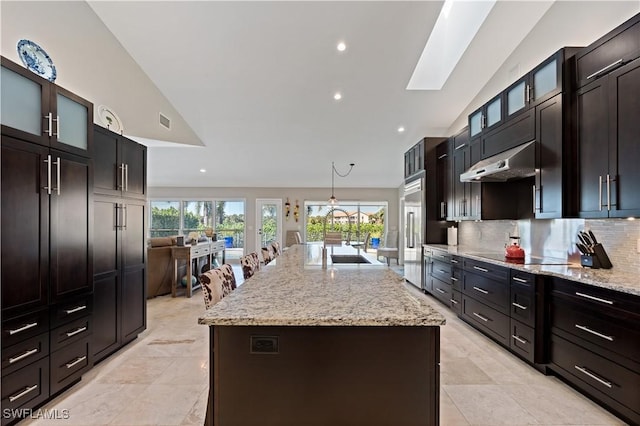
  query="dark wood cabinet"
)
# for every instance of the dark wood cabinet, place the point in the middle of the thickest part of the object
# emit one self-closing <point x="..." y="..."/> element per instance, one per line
<point x="595" y="343"/>
<point x="414" y="159"/>
<point x="44" y="113"/>
<point x="120" y="268"/>
<point x="443" y="179"/>
<point x="120" y="165"/>
<point x="487" y="117"/>
<point x="608" y="151"/>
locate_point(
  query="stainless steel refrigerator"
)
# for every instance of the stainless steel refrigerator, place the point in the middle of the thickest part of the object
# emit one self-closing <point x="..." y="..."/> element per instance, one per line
<point x="414" y="212"/>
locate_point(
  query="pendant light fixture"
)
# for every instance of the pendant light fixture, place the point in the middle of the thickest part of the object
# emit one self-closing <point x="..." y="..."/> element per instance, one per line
<point x="333" y="201"/>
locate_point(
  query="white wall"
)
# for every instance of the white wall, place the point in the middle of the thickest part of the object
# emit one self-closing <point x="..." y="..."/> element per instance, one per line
<point x="390" y="195"/>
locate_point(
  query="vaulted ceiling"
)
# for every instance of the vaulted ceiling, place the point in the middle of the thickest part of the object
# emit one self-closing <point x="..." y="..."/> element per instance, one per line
<point x="249" y="86"/>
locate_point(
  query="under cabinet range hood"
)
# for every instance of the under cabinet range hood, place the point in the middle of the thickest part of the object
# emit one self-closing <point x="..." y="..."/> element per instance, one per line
<point x="514" y="163"/>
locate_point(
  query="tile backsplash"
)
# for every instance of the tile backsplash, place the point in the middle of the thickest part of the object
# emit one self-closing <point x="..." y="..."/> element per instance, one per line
<point x="556" y="238"/>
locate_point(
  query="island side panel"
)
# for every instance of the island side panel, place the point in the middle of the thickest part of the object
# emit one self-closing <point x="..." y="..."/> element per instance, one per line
<point x="326" y="375"/>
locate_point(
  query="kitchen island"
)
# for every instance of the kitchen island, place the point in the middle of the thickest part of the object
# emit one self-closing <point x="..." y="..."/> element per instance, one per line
<point x="300" y="345"/>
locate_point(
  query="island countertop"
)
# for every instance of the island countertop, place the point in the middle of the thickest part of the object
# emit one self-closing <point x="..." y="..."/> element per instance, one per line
<point x="291" y="292"/>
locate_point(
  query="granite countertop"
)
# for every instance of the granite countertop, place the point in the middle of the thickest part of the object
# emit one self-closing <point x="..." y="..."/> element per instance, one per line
<point x="613" y="279"/>
<point x="291" y="292"/>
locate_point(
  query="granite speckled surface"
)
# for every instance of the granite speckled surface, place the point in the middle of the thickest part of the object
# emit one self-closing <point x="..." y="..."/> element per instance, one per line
<point x="613" y="279"/>
<point x="292" y="292"/>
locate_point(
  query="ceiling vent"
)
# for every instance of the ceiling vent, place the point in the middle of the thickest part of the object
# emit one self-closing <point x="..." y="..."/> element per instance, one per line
<point x="165" y="121"/>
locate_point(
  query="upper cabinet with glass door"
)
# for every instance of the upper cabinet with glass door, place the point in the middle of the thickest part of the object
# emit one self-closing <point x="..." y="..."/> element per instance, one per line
<point x="486" y="117"/>
<point x="540" y="84"/>
<point x="36" y="110"/>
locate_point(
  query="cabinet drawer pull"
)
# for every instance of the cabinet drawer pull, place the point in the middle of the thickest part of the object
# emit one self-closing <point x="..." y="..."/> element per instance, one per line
<point x="480" y="290"/>
<point x="480" y="269"/>
<point x="593" y="376"/>
<point x="454" y="279"/>
<point x="519" y="339"/>
<point x="440" y="291"/>
<point x="442" y="271"/>
<point x="460" y="146"/>
<point x="619" y="61"/>
<point x="485" y="319"/>
<point x="519" y="306"/>
<point x="595" y="333"/>
<point x="520" y="280"/>
<point x="453" y="301"/>
<point x="23" y="393"/>
<point x="76" y="362"/>
<point x="597" y="299"/>
<point x="76" y="331"/>
<point x="23" y="355"/>
<point x="76" y="309"/>
<point x="454" y="261"/>
<point x="23" y="328"/>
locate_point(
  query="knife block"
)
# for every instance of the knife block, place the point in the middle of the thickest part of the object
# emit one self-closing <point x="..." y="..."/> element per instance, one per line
<point x="596" y="260"/>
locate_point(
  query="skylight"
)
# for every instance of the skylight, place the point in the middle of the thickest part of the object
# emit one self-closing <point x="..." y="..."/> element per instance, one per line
<point x="457" y="25"/>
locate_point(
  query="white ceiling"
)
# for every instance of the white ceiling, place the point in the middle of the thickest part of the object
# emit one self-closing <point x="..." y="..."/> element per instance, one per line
<point x="254" y="82"/>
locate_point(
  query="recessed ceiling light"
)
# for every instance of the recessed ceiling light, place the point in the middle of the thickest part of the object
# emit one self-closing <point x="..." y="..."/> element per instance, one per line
<point x="400" y="129"/>
<point x="203" y="170"/>
<point x="341" y="47"/>
<point x="337" y="96"/>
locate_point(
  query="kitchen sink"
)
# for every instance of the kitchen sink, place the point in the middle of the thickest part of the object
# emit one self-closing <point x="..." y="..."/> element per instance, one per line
<point x="348" y="258"/>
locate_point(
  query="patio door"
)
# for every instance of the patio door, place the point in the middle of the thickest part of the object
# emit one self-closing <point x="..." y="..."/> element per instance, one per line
<point x="268" y="222"/>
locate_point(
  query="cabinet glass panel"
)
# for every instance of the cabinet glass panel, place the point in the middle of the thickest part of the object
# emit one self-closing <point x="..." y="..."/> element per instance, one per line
<point x="494" y="112"/>
<point x="21" y="102"/>
<point x="515" y="98"/>
<point x="72" y="123"/>
<point x="475" y="123"/>
<point x="545" y="80"/>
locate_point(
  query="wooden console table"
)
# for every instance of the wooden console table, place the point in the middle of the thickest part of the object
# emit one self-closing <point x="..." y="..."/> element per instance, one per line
<point x="190" y="254"/>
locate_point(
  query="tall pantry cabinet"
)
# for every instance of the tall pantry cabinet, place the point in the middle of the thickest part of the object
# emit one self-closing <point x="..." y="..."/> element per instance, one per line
<point x="59" y="246"/>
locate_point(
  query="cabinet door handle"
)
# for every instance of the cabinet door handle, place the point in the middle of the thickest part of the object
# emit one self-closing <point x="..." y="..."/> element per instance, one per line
<point x="75" y="362"/>
<point x="48" y="187"/>
<point x="126" y="177"/>
<point x="611" y="65"/>
<point x="23" y="355"/>
<point x="57" y="163"/>
<point x="483" y="121"/>
<point x="125" y="216"/>
<point x="76" y="309"/>
<point x="483" y="291"/>
<point x="520" y="280"/>
<point x="26" y="390"/>
<point x="443" y="209"/>
<point x="49" y="131"/>
<point x="440" y="291"/>
<point x="121" y="183"/>
<point x="593" y="376"/>
<point x="600" y="193"/>
<point x="460" y="146"/>
<point x="608" y="193"/>
<point x="519" y="306"/>
<point x="455" y="302"/>
<point x="23" y="328"/>
<point x="534" y="200"/>
<point x="597" y="299"/>
<point x="595" y="333"/>
<point x="57" y="120"/>
<point x="480" y="269"/>
<point x="519" y="339"/>
<point x="442" y="271"/>
<point x="76" y="331"/>
<point x="454" y="261"/>
<point x="454" y="279"/>
<point x="443" y="156"/>
<point x="483" y="318"/>
<point x="528" y="93"/>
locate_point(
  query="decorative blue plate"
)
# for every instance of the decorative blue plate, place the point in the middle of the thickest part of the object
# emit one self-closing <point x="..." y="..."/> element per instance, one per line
<point x="36" y="60"/>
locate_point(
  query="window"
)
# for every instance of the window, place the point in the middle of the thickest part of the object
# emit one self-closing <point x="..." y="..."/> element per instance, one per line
<point x="165" y="218"/>
<point x="197" y="216"/>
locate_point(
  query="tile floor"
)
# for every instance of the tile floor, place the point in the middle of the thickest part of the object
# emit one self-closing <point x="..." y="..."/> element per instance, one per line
<point x="161" y="379"/>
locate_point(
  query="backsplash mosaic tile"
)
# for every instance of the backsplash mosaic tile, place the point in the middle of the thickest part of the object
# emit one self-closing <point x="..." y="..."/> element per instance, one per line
<point x="557" y="238"/>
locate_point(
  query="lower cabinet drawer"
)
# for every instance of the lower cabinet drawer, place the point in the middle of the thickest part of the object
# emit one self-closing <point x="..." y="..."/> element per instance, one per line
<point x="456" y="301"/>
<point x="596" y="375"/>
<point x="442" y="291"/>
<point x="69" y="363"/>
<point x="493" y="323"/>
<point x="71" y="310"/>
<point x="522" y="340"/>
<point x="24" y="353"/>
<point x="489" y="291"/>
<point x="20" y="328"/>
<point x="523" y="306"/>
<point x="70" y="332"/>
<point x="25" y="388"/>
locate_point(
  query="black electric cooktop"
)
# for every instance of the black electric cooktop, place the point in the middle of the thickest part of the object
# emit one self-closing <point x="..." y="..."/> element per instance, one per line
<point x="528" y="260"/>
